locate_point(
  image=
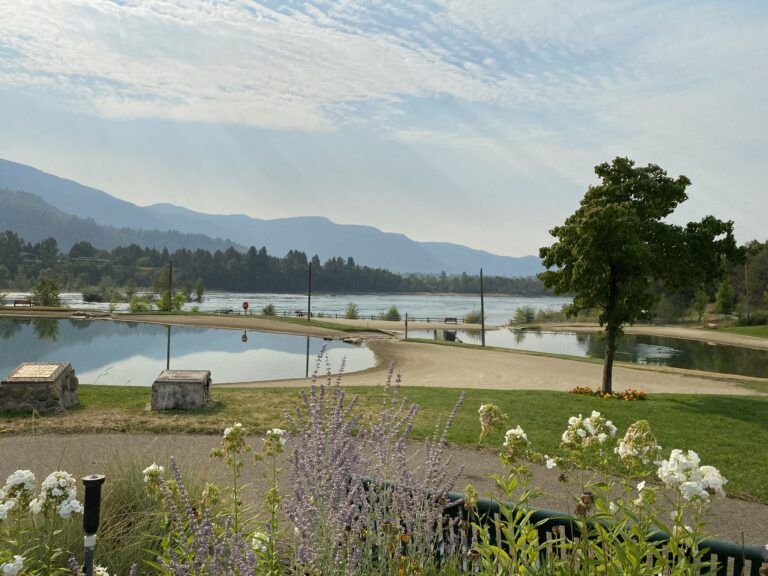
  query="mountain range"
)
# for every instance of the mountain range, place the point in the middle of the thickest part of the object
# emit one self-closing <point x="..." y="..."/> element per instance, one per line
<point x="107" y="221"/>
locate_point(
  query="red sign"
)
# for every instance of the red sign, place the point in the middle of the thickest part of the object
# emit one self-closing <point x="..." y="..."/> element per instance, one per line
<point x="245" y="305"/>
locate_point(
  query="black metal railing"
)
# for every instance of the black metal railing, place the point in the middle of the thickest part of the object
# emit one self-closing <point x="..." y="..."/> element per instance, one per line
<point x="727" y="558"/>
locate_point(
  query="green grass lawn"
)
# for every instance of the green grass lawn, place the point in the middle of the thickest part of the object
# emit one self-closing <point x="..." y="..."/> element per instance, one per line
<point x="760" y="331"/>
<point x="730" y="432"/>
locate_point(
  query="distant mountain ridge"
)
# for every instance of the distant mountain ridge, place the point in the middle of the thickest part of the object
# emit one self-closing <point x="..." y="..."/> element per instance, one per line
<point x="34" y="220"/>
<point x="310" y="234"/>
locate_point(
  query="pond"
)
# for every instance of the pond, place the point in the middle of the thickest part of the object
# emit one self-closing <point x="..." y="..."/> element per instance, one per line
<point x="635" y="348"/>
<point x="129" y="353"/>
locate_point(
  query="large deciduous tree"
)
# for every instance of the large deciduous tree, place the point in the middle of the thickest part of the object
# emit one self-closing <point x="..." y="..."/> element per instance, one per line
<point x="609" y="252"/>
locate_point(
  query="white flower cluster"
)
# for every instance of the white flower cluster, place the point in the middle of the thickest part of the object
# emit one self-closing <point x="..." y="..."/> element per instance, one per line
<point x="490" y="416"/>
<point x="682" y="472"/>
<point x="639" y="444"/>
<point x="152" y="473"/>
<point x="13" y="567"/>
<point x="514" y="435"/>
<point x="100" y="571"/>
<point x="584" y="432"/>
<point x="277" y="434"/>
<point x="6" y="505"/>
<point x="237" y="426"/>
<point x="19" y="489"/>
<point x="58" y="492"/>
<point x="259" y="542"/>
<point x="21" y="480"/>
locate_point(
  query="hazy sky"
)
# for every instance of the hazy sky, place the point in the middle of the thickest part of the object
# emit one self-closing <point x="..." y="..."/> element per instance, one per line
<point x="474" y="121"/>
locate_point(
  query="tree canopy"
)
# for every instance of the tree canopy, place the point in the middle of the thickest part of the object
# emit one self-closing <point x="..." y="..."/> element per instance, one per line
<point x="610" y="252"/>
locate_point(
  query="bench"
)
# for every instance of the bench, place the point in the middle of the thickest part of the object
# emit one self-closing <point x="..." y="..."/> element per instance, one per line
<point x="22" y="302"/>
<point x="298" y="313"/>
<point x="451" y="320"/>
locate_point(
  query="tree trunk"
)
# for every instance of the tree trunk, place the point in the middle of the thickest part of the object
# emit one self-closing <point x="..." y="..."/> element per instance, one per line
<point x="611" y="330"/>
<point x="610" y="352"/>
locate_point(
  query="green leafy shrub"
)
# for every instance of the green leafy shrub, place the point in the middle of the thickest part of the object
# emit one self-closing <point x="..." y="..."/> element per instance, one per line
<point x="140" y="304"/>
<point x="473" y="317"/>
<point x="46" y="292"/>
<point x="352" y="312"/>
<point x="268" y="310"/>
<point x="93" y="296"/>
<point x="524" y="315"/>
<point x="392" y="314"/>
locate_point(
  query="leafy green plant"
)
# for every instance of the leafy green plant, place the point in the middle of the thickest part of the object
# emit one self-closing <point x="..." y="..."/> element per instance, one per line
<point x="140" y="304"/>
<point x="473" y="317"/>
<point x="46" y="292"/>
<point x="524" y="315"/>
<point x="352" y="312"/>
<point x="268" y="310"/>
<point x="392" y="314"/>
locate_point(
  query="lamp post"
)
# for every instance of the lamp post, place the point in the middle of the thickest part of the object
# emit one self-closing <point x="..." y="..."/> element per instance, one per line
<point x="91" y="510"/>
<point x="309" y="294"/>
<point x="482" y="307"/>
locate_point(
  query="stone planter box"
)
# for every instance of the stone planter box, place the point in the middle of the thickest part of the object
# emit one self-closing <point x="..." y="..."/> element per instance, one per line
<point x="39" y="387"/>
<point x="181" y="390"/>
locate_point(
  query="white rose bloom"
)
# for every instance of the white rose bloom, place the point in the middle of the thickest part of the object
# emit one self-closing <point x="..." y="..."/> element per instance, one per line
<point x="13" y="567"/>
<point x="641" y="486"/>
<point x="602" y="437"/>
<point x="549" y="462"/>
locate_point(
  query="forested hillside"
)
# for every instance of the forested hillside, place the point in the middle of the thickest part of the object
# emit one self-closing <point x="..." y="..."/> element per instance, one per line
<point x="22" y="263"/>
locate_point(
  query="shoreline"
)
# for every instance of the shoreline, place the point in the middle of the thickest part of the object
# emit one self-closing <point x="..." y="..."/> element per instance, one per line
<point x="445" y="366"/>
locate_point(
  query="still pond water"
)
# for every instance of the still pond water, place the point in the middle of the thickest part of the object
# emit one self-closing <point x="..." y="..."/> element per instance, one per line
<point x="638" y="349"/>
<point x="106" y="352"/>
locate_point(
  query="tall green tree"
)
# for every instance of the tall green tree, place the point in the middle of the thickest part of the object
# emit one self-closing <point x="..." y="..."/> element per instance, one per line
<point x="725" y="301"/>
<point x="46" y="292"/>
<point x="608" y="254"/>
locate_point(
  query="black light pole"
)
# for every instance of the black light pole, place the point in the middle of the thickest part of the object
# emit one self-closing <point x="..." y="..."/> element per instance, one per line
<point x="170" y="285"/>
<point x="306" y="372"/>
<point x="482" y="307"/>
<point x="168" y="349"/>
<point x="309" y="294"/>
<point x="91" y="510"/>
<point x="406" y="325"/>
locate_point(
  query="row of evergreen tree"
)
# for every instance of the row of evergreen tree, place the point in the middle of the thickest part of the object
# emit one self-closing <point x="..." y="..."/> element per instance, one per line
<point x="84" y="266"/>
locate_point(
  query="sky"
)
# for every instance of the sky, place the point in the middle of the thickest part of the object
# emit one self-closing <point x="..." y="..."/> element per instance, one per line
<point x="471" y="121"/>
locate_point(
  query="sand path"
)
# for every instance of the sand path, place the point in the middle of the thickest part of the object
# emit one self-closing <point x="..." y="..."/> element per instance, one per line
<point x="113" y="453"/>
<point x="423" y="364"/>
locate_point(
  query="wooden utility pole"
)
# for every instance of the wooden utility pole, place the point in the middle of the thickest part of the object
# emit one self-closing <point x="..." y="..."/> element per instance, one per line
<point x="482" y="307"/>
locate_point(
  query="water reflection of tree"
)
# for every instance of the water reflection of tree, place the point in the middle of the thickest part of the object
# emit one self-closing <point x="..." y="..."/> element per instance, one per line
<point x="8" y="328"/>
<point x="46" y="328"/>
